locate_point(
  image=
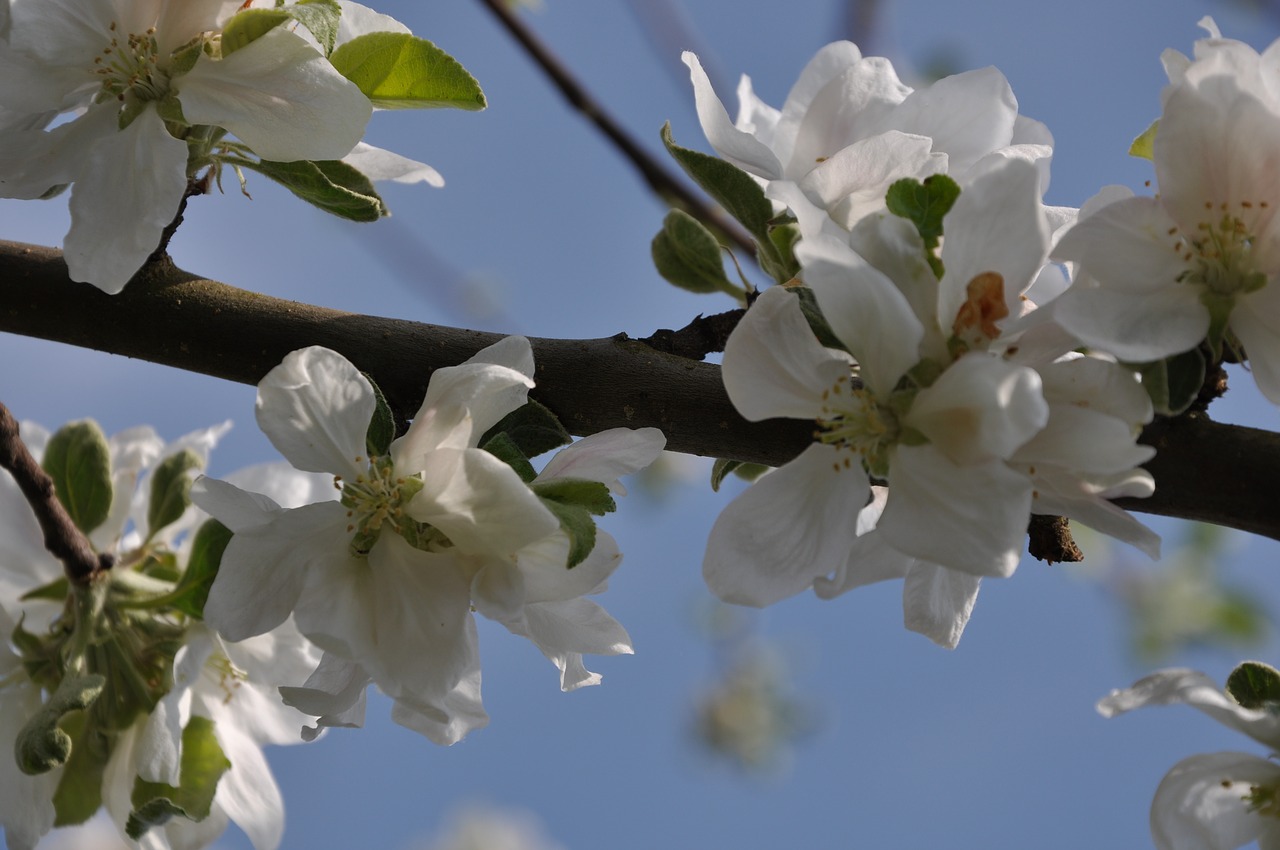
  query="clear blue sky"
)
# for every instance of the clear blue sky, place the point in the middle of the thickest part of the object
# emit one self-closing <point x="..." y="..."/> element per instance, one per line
<point x="995" y="745"/>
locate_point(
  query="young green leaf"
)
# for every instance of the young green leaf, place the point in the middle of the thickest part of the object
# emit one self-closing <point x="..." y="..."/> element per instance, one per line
<point x="723" y="467"/>
<point x="382" y="425"/>
<point x="401" y="71"/>
<point x="1143" y="147"/>
<point x="171" y="489"/>
<point x="331" y="185"/>
<point x="202" y="568"/>
<point x="504" y="448"/>
<point x="688" y="256"/>
<point x="201" y="766"/>
<point x="1255" y="685"/>
<point x="924" y="203"/>
<point x="533" y="428"/>
<point x="78" y="460"/>
<point x="41" y="745"/>
<point x="249" y="25"/>
<point x="592" y="496"/>
<point x="79" y="793"/>
<point x="578" y="526"/>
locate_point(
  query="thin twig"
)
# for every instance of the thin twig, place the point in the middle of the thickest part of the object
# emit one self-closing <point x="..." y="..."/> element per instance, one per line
<point x="61" y="537"/>
<point x="660" y="179"/>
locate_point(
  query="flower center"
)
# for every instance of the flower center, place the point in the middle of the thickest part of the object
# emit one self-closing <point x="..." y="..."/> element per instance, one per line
<point x="1260" y="799"/>
<point x="1219" y="255"/>
<point x="375" y="500"/>
<point x="852" y="418"/>
<point x="131" y="65"/>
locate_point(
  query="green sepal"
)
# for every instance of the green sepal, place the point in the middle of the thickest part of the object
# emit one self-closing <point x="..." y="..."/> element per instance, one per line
<point x="79" y="793"/>
<point x="533" y="428"/>
<point x="722" y="468"/>
<point x="202" y="568"/>
<point x="54" y="591"/>
<point x="203" y="764"/>
<point x="171" y="490"/>
<point x="382" y="425"/>
<point x="740" y="195"/>
<point x="331" y="185"/>
<point x="924" y="203"/>
<point x="1219" y="307"/>
<point x="504" y="448"/>
<point x="1255" y="685"/>
<point x="42" y="745"/>
<point x="133" y="107"/>
<point x="573" y="501"/>
<point x="592" y="496"/>
<point x="78" y="460"/>
<point x="1173" y="383"/>
<point x="169" y="108"/>
<point x="318" y="16"/>
<point x="578" y="526"/>
<point x="1143" y="147"/>
<point x="817" y="321"/>
<point x="687" y="255"/>
<point x="784" y="233"/>
<point x="182" y="60"/>
<point x="401" y="71"/>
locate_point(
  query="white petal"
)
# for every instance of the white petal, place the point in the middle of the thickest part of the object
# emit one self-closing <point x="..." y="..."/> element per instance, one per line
<point x="283" y="485"/>
<point x="774" y="365"/>
<point x="851" y="183"/>
<point x="547" y="580"/>
<point x="447" y="720"/>
<point x="182" y="20"/>
<point x="606" y="456"/>
<point x="1256" y="321"/>
<point x="1134" y="326"/>
<point x="514" y="352"/>
<point x="786" y="529"/>
<point x="1129" y="245"/>
<point x="497" y="589"/>
<point x="866" y="311"/>
<point x="235" y="508"/>
<point x="566" y="630"/>
<point x="248" y="793"/>
<point x="739" y="148"/>
<point x="480" y="503"/>
<point x="126" y="194"/>
<point x="315" y="408"/>
<point x="871" y="559"/>
<point x="937" y="602"/>
<point x="1181" y="685"/>
<point x="967" y="115"/>
<point x="360" y="20"/>
<point x="970" y="518"/>
<point x="1200" y="804"/>
<point x="264" y="568"/>
<point x="980" y="409"/>
<point x="282" y="98"/>
<point x="462" y="402"/>
<point x="1085" y="441"/>
<point x="378" y="164"/>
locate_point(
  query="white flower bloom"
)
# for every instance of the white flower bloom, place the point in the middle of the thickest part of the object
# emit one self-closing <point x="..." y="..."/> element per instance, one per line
<point x="850" y="128"/>
<point x="1201" y="257"/>
<point x="117" y="64"/>
<point x="1216" y="801"/>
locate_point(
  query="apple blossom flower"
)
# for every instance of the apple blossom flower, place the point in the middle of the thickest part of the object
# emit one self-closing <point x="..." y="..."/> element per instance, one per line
<point x="385" y="581"/>
<point x="1213" y="801"/>
<point x="1158" y="275"/>
<point x="141" y="80"/>
<point x="950" y="413"/>
<point x="849" y="128"/>
<point x="233" y="685"/>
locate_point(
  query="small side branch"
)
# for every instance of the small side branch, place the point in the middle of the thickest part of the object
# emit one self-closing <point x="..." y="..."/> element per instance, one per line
<point x="61" y="537"/>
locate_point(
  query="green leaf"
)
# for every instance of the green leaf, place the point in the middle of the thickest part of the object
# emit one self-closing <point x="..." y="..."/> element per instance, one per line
<point x="42" y="745"/>
<point x="504" y="448"/>
<point x="1255" y="685"/>
<point x="401" y="71"/>
<point x="331" y="185"/>
<point x="202" y="765"/>
<point x="318" y="16"/>
<point x="382" y="425"/>
<point x="722" y="468"/>
<point x="79" y="461"/>
<point x="79" y="793"/>
<point x="533" y="428"/>
<point x="202" y="568"/>
<point x="578" y="526"/>
<point x="1175" y="382"/>
<point x="688" y="256"/>
<point x="1143" y="147"/>
<point x="924" y="204"/>
<point x="740" y="195"/>
<point x="592" y="496"/>
<point x="55" y="591"/>
<point x="817" y="321"/>
<point x="321" y="18"/>
<point x="171" y="490"/>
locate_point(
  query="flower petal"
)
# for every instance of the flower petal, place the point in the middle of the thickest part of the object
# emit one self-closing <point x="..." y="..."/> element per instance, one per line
<point x="1201" y="803"/>
<point x="786" y="529"/>
<point x="739" y="148"/>
<point x="606" y="456"/>
<point x="937" y="602"/>
<point x="378" y="164"/>
<point x="1181" y="685"/>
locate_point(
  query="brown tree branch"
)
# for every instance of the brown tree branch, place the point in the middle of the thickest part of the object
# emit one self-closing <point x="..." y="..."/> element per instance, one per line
<point x="61" y="537"/>
<point x="1223" y="474"/>
<point x="659" y="177"/>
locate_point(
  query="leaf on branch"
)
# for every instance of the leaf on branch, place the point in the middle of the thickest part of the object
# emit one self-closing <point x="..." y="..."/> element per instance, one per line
<point x="723" y="467"/>
<point x="202" y="568"/>
<point x="687" y="255"/>
<point x="1143" y="147"/>
<point x="533" y="428"/>
<point x="78" y="460"/>
<point x="504" y="448"/>
<point x="382" y="425"/>
<point x="331" y="185"/>
<point x="401" y="71"/>
<point x="1255" y="685"/>
<point x="573" y="501"/>
<point x="924" y="203"/>
<point x="171" y="490"/>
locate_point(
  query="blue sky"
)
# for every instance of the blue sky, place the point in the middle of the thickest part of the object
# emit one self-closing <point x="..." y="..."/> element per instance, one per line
<point x="994" y="745"/>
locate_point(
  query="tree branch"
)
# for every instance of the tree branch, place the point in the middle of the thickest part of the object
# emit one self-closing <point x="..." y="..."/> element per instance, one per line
<point x="1207" y="471"/>
<point x="61" y="537"/>
<point x="658" y="176"/>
